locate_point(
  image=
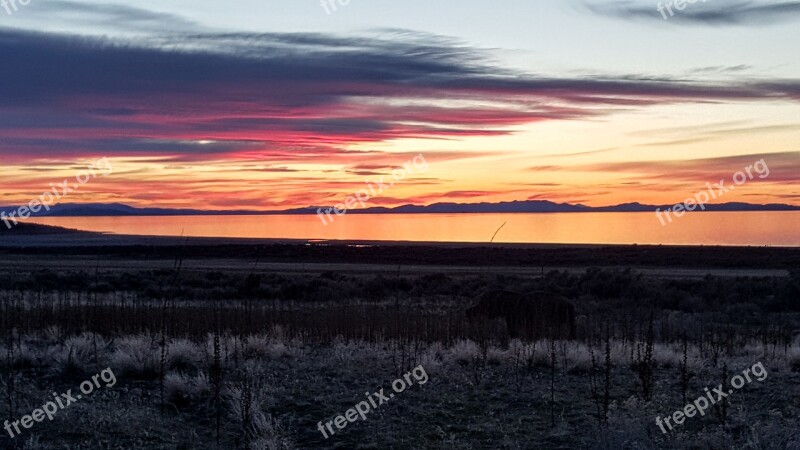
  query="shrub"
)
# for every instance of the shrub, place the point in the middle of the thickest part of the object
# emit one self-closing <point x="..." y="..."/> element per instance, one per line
<point x="183" y="354"/>
<point x="136" y="356"/>
<point x="793" y="359"/>
<point x="181" y="389"/>
<point x="77" y="353"/>
<point x="464" y="351"/>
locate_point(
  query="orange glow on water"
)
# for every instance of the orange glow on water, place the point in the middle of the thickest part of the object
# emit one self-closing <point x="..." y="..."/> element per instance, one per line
<point x="706" y="228"/>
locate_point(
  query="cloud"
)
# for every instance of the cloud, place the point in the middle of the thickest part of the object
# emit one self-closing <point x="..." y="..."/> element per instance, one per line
<point x="259" y="92"/>
<point x="271" y="110"/>
<point x="721" y="69"/>
<point x="252" y="94"/>
<point x="700" y="12"/>
<point x="102" y="18"/>
<point x="700" y="134"/>
<point x="782" y="168"/>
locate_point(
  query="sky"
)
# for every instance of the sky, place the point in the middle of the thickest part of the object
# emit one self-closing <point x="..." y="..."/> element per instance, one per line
<point x="276" y="104"/>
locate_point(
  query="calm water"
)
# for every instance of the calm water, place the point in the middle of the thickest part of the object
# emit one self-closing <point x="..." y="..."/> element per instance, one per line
<point x="709" y="228"/>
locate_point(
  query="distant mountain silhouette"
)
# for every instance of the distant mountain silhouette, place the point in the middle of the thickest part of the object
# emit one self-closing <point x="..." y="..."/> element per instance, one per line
<point x="117" y="209"/>
<point x="524" y="206"/>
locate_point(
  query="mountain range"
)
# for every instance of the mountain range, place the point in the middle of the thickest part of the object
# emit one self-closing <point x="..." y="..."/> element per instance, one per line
<point x="524" y="206"/>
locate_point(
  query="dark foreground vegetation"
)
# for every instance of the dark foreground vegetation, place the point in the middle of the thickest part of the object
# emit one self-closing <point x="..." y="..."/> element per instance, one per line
<point x="421" y="254"/>
<point x="428" y="308"/>
<point x="254" y="360"/>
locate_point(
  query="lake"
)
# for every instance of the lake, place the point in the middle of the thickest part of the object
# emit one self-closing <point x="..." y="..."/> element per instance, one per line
<point x="699" y="228"/>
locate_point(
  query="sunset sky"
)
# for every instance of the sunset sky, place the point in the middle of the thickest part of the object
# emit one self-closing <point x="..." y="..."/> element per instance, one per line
<point x="273" y="104"/>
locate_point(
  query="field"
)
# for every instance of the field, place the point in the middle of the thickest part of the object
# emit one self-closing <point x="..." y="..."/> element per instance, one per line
<point x="234" y="345"/>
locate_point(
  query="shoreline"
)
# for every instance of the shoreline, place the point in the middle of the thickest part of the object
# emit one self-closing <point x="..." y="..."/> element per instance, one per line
<point x="36" y="235"/>
<point x="79" y="238"/>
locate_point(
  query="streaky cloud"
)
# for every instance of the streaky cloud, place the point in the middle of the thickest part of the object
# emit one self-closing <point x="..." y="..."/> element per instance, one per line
<point x="710" y="13"/>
